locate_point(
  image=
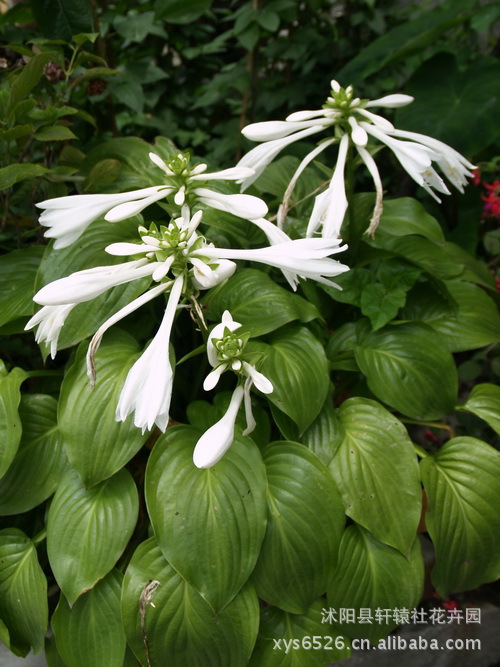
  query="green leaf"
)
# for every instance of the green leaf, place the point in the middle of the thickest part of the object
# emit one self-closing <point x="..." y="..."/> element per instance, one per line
<point x="473" y="323"/>
<point x="325" y="434"/>
<point x="15" y="133"/>
<point x="376" y="471"/>
<point x="128" y="92"/>
<point x="352" y="282"/>
<point x="181" y="11"/>
<point x="88" y="529"/>
<point x="462" y="485"/>
<point x="405" y="216"/>
<point x="54" y="133"/>
<point x="96" y="444"/>
<point x="296" y="364"/>
<point x="208" y="523"/>
<point x="10" y="424"/>
<point x="412" y="37"/>
<point x="257" y="302"/>
<point x="88" y="252"/>
<point x="410" y="368"/>
<point x="168" y="622"/>
<point x="40" y="461"/>
<point x="484" y="401"/>
<point x="23" y="592"/>
<point x="438" y="259"/>
<point x="61" y="19"/>
<point x="29" y="76"/>
<point x="304" y="527"/>
<point x="390" y="581"/>
<point x="14" y="173"/>
<point x="17" y="276"/>
<point x="91" y="632"/>
<point x="380" y="304"/>
<point x="447" y="97"/>
<point x="297" y="635"/>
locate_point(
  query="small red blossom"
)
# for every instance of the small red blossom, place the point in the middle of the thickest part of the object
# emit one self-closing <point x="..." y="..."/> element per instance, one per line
<point x="429" y="435"/>
<point x="449" y="605"/>
<point x="476" y="177"/>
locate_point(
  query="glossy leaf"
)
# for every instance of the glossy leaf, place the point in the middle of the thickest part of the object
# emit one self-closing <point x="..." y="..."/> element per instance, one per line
<point x="209" y="523"/>
<point x="54" y="133"/>
<point x="23" y="592"/>
<point x="88" y="529"/>
<point x="405" y="216"/>
<point x="96" y="444"/>
<point x="325" y="434"/>
<point x="484" y="401"/>
<point x="370" y="576"/>
<point x="473" y="322"/>
<point x="293" y="640"/>
<point x="40" y="460"/>
<point x="296" y="364"/>
<point x="257" y="302"/>
<point x="91" y="632"/>
<point x="408" y="367"/>
<point x="168" y="622"/>
<point x="448" y="95"/>
<point x="376" y="471"/>
<point x="10" y="424"/>
<point x="380" y="304"/>
<point x="304" y="527"/>
<point x="462" y="485"/>
<point x="17" y="276"/>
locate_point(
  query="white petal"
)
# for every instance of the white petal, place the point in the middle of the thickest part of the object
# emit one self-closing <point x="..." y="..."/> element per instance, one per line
<point x="260" y="381"/>
<point x="391" y="101"/>
<point x="123" y="249"/>
<point x="215" y="442"/>
<point x="217" y="333"/>
<point x="85" y="285"/>
<point x="131" y="208"/>
<point x="358" y="134"/>
<point x="232" y="174"/>
<point x="277" y="129"/>
<point x="160" y="163"/>
<point x="338" y="200"/>
<point x="50" y="320"/>
<point x="213" y="377"/>
<point x="244" y="206"/>
<point x="377" y="120"/>
<point x="205" y="278"/>
<point x="299" y="116"/>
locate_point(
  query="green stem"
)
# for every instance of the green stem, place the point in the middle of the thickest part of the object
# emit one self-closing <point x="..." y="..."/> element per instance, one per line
<point x="440" y="425"/>
<point x="421" y="453"/>
<point x="43" y="373"/>
<point x="40" y="537"/>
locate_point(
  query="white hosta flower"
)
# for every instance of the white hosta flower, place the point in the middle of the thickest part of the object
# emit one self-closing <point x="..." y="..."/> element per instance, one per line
<point x="68" y="217"/>
<point x="308" y="257"/>
<point x="215" y="442"/>
<point x="148" y="387"/>
<point x="49" y="320"/>
<point x="90" y="283"/>
<point x="355" y="125"/>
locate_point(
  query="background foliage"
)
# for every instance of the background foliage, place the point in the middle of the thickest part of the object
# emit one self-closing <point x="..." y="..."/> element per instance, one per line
<point x="93" y="513"/>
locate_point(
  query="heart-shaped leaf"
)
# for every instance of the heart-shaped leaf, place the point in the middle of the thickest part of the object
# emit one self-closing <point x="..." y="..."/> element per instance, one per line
<point x="209" y="523"/>
<point x="484" y="401"/>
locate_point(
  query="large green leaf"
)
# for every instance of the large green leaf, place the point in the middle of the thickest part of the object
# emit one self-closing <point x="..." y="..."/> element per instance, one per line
<point x="96" y="444"/>
<point x="89" y="252"/>
<point x="404" y="40"/>
<point x="40" y="460"/>
<point x="304" y="527"/>
<point x="61" y="19"/>
<point x="325" y="434"/>
<point x="88" y="529"/>
<point x="372" y="576"/>
<point x="405" y="216"/>
<point x="181" y="11"/>
<point x="168" y="622"/>
<point x="376" y="470"/>
<point x="209" y="523"/>
<point x="473" y="322"/>
<point x="463" y="517"/>
<point x="17" y="277"/>
<point x="447" y="97"/>
<point x="28" y="77"/>
<point x="484" y="401"/>
<point x="296" y="364"/>
<point x="91" y="632"/>
<point x="293" y="640"/>
<point x="410" y="368"/>
<point x="10" y="424"/>
<point x="23" y="592"/>
<point x="14" y="173"/>
<point x="257" y="302"/>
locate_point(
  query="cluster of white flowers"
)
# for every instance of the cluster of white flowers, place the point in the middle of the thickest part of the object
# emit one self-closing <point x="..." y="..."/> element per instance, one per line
<point x="180" y="261"/>
<point x="354" y="126"/>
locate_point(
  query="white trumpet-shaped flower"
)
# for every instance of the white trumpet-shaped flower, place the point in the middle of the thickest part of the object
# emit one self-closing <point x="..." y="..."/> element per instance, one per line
<point x="215" y="442"/>
<point x="354" y="125"/>
<point x="68" y="217"/>
<point x="225" y="350"/>
<point x="147" y="390"/>
<point x="50" y="320"/>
